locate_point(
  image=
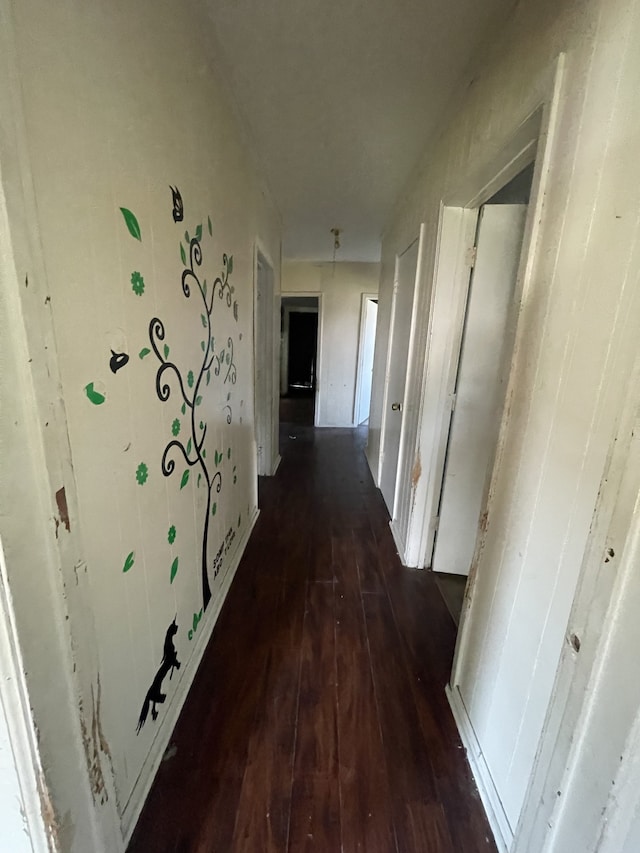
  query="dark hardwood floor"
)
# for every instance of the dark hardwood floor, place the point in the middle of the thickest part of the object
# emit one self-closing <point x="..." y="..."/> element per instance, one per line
<point x="318" y="720"/>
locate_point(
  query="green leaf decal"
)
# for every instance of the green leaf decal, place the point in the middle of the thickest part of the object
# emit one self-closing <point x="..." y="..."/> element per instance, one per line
<point x="189" y="447"/>
<point x="94" y="396"/>
<point x="214" y="508"/>
<point x="185" y="479"/>
<point x="217" y="458"/>
<point x="204" y="452"/>
<point x="144" y="351"/>
<point x="174" y="570"/>
<point x="208" y="376"/>
<point x="183" y="254"/>
<point x="166" y="350"/>
<point x="183" y="408"/>
<point x="229" y="453"/>
<point x="131" y="223"/>
<point x="230" y="264"/>
<point x="210" y="225"/>
<point x="198" y="400"/>
<point x="186" y="237"/>
<point x="204" y="320"/>
<point x="199" y="478"/>
<point x="202" y="345"/>
<point x="128" y="562"/>
<point x="199" y="232"/>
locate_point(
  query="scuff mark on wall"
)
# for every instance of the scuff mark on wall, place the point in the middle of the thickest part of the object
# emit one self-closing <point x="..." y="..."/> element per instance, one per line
<point x="95" y="744"/>
<point x="416" y="471"/>
<point x="49" y="817"/>
<point x="61" y="501"/>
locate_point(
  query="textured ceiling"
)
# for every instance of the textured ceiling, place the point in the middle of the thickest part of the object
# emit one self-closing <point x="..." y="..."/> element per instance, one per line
<point x="339" y="99"/>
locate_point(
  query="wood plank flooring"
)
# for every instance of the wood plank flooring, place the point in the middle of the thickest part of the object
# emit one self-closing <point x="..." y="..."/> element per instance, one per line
<point x="318" y="720"/>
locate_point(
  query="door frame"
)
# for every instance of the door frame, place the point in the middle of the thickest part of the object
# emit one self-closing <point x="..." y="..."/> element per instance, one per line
<point x="365" y="297"/>
<point x="532" y="139"/>
<point x="535" y="136"/>
<point x="23" y="737"/>
<point x="302" y="294"/>
<point x="265" y="410"/>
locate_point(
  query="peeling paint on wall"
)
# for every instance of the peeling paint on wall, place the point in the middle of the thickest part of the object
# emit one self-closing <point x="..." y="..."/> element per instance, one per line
<point x="49" y="817"/>
<point x="95" y="745"/>
<point x="61" y="501"/>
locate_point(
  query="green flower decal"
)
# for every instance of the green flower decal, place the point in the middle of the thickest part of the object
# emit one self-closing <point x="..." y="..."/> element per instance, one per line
<point x="142" y="473"/>
<point x="175" y="427"/>
<point x="171" y="535"/>
<point x="190" y="379"/>
<point x="137" y="283"/>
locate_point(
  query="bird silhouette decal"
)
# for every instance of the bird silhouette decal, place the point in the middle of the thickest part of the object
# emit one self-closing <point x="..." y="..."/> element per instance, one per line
<point x="178" y="206"/>
<point x="117" y="360"/>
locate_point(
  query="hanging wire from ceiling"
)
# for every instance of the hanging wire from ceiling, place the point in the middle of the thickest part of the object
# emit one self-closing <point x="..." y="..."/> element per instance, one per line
<point x="336" y="244"/>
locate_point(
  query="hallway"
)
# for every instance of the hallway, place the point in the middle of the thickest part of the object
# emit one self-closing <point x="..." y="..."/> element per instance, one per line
<point x="318" y="718"/>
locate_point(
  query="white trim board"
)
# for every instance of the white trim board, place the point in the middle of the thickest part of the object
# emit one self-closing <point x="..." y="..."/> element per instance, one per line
<point x="502" y="832"/>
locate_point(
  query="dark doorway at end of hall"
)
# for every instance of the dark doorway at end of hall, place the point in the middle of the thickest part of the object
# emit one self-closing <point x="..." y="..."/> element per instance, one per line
<point x="298" y="359"/>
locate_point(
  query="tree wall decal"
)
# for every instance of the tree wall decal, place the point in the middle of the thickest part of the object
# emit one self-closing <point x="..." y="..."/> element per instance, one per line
<point x="188" y="445"/>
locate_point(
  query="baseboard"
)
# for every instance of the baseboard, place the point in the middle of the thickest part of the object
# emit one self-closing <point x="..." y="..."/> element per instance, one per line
<point x="373" y="466"/>
<point x="140" y="791"/>
<point x="502" y="832"/>
<point x="398" y="539"/>
<point x="276" y="465"/>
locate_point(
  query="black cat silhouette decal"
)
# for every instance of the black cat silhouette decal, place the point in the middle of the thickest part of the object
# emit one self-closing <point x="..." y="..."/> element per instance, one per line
<point x="155" y="696"/>
<point x="178" y="207"/>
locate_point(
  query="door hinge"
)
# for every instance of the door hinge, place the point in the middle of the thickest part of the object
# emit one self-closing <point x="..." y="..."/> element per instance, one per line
<point x="472" y="254"/>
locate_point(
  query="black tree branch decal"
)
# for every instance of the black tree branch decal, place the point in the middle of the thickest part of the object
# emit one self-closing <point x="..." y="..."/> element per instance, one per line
<point x="221" y="363"/>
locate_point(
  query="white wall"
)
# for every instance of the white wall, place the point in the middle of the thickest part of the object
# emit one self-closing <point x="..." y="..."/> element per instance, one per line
<point x="576" y="340"/>
<point x="119" y="102"/>
<point x="341" y="287"/>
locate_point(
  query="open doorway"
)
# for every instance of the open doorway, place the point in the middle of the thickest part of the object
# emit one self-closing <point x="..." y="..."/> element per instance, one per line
<point x="299" y="359"/>
<point x="482" y="372"/>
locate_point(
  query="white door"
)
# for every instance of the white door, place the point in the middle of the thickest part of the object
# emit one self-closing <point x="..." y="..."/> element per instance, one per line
<point x="478" y="401"/>
<point x="401" y="311"/>
<point x="365" y="359"/>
